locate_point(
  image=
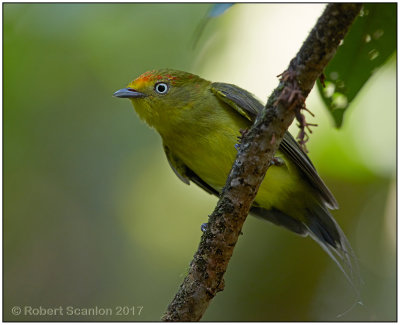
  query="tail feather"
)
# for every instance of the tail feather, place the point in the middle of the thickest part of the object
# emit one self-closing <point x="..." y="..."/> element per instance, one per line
<point x="327" y="233"/>
<point x="321" y="227"/>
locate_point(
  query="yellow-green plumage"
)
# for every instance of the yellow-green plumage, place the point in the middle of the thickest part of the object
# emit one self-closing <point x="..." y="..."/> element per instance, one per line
<point x="210" y="152"/>
<point x="200" y="122"/>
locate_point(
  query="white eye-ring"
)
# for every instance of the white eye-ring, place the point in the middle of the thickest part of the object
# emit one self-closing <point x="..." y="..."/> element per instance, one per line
<point x="161" y="88"/>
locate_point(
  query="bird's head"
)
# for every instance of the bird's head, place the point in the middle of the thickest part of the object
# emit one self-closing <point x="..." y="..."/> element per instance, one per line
<point x="163" y="98"/>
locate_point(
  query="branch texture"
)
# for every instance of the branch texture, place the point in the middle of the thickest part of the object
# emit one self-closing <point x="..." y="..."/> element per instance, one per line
<point x="257" y="148"/>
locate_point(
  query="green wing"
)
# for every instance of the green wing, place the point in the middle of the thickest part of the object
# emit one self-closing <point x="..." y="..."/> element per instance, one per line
<point x="239" y="99"/>
<point x="248" y="106"/>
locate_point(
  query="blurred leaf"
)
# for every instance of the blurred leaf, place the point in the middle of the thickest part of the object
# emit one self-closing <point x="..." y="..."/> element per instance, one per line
<point x="369" y="43"/>
<point x="216" y="10"/>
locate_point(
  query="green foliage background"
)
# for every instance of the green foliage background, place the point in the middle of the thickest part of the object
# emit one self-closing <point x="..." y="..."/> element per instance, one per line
<point x="368" y="45"/>
<point x="94" y="217"/>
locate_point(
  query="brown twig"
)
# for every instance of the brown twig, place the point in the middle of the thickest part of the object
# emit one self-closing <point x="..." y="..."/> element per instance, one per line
<point x="257" y="148"/>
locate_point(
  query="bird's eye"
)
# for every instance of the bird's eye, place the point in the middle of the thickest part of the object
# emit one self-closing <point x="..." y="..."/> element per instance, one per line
<point x="161" y="88"/>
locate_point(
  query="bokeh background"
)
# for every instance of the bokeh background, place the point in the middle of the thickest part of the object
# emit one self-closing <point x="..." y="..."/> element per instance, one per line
<point x="93" y="215"/>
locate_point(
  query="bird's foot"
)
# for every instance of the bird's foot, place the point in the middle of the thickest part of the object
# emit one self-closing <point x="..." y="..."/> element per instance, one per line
<point x="277" y="161"/>
<point x="243" y="132"/>
<point x="204" y="227"/>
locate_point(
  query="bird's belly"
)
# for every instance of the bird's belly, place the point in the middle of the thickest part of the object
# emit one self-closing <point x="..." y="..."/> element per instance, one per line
<point x="212" y="157"/>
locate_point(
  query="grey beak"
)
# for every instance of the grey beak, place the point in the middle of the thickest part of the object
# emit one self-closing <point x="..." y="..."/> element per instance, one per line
<point x="128" y="93"/>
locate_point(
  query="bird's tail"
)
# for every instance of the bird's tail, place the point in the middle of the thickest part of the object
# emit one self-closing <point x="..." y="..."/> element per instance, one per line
<point x="327" y="233"/>
<point x="320" y="225"/>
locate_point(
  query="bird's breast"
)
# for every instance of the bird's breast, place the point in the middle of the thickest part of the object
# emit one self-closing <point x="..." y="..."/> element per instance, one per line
<point x="210" y="153"/>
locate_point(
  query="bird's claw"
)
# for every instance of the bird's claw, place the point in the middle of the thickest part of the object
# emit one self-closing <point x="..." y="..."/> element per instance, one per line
<point x="204" y="227"/>
<point x="277" y="161"/>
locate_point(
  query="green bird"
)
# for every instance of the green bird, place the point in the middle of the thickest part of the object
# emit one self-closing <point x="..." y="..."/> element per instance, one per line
<point x="200" y="121"/>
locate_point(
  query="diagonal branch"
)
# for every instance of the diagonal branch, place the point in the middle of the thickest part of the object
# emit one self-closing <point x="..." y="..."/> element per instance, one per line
<point x="257" y="148"/>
